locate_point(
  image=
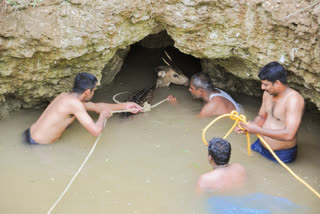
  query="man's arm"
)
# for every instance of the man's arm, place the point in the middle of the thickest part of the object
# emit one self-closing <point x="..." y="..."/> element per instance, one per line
<point x="208" y="110"/>
<point x="95" y="128"/>
<point x="98" y="107"/>
<point x="293" y="115"/>
<point x="258" y="120"/>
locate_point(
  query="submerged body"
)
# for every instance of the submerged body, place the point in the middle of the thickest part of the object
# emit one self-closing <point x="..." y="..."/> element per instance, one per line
<point x="224" y="176"/>
<point x="166" y="75"/>
<point x="139" y="97"/>
<point x="217" y="101"/>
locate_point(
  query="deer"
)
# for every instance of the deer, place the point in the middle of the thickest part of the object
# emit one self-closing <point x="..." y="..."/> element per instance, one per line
<point x="170" y="74"/>
<point x="166" y="75"/>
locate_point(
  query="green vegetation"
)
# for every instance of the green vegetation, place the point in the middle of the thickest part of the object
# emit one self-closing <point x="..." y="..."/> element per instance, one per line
<point x="10" y="2"/>
<point x="17" y="2"/>
<point x="35" y="2"/>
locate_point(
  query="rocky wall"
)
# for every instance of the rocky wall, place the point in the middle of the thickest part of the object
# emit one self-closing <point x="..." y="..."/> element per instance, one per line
<point x="44" y="45"/>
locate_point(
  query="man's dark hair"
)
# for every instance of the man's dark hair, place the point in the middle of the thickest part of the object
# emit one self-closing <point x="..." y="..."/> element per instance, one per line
<point x="84" y="81"/>
<point x="220" y="150"/>
<point x="202" y="80"/>
<point x="273" y="71"/>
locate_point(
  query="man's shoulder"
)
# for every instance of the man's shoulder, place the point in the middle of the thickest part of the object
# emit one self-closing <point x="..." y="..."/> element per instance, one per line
<point x="238" y="167"/>
<point x="209" y="175"/>
<point x="294" y="98"/>
<point x="295" y="94"/>
<point x="66" y="100"/>
<point x="218" y="98"/>
<point x="209" y="178"/>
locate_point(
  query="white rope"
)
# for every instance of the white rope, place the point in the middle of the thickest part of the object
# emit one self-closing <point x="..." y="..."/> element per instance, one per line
<point x="75" y="175"/>
<point x="146" y="107"/>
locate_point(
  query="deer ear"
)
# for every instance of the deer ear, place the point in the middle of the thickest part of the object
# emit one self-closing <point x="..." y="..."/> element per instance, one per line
<point x="161" y="73"/>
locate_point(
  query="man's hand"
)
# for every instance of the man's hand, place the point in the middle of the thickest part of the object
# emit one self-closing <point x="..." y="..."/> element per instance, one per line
<point x="251" y="127"/>
<point x="172" y="99"/>
<point x="132" y="107"/>
<point x="107" y="113"/>
<point x="240" y="131"/>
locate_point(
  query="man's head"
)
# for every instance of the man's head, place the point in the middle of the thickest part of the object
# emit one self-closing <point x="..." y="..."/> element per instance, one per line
<point x="85" y="83"/>
<point x="272" y="76"/>
<point x="200" y="82"/>
<point x="219" y="150"/>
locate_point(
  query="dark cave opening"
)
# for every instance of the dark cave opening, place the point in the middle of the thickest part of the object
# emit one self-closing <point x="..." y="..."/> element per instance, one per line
<point x="142" y="59"/>
<point x="138" y="72"/>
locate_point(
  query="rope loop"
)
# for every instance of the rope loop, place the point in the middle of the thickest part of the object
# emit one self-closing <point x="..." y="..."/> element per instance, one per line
<point x="242" y="119"/>
<point x="234" y="115"/>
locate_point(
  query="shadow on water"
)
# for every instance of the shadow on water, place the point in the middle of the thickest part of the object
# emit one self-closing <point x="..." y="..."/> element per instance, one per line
<point x="149" y="164"/>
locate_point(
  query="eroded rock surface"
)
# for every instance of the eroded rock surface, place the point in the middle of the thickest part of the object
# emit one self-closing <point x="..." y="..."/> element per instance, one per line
<point x="43" y="46"/>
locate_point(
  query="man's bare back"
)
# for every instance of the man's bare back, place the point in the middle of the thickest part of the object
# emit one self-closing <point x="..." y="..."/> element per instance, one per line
<point x="223" y="179"/>
<point x="66" y="107"/>
<point x="55" y="119"/>
<point x="224" y="176"/>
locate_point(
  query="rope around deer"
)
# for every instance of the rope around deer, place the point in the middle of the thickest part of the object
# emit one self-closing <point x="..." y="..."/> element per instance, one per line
<point x="234" y="116"/>
<point x="146" y="107"/>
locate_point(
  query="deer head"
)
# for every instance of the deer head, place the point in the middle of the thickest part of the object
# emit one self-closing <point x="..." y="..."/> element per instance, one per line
<point x="170" y="74"/>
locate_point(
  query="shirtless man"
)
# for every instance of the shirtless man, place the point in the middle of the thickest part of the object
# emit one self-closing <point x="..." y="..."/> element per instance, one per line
<point x="217" y="101"/>
<point x="225" y="176"/>
<point x="66" y="107"/>
<point x="279" y="116"/>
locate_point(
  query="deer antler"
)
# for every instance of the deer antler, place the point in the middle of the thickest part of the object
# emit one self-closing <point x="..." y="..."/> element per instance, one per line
<point x="171" y="64"/>
<point x="166" y="62"/>
<point x="168" y="56"/>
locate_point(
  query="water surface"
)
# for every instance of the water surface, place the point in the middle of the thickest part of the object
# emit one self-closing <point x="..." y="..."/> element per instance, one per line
<point x="148" y="164"/>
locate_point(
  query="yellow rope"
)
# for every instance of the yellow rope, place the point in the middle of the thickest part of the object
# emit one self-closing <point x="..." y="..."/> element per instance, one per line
<point x="235" y="116"/>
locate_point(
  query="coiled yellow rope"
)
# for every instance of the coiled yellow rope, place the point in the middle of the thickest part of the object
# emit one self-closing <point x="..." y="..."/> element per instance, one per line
<point x="235" y="116"/>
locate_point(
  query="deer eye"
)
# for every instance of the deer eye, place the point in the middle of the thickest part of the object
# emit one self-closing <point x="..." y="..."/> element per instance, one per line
<point x="175" y="75"/>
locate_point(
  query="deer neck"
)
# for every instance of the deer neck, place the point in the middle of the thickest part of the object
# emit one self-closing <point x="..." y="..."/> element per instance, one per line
<point x="162" y="83"/>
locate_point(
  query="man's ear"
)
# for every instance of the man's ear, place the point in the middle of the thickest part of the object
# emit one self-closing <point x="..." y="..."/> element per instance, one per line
<point x="87" y="92"/>
<point x="277" y="83"/>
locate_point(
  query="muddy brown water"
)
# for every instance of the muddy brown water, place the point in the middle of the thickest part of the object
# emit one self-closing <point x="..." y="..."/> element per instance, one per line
<point x="148" y="164"/>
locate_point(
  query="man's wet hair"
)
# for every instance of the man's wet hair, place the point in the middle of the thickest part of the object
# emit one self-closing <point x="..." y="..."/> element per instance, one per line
<point x="202" y="80"/>
<point x="220" y="150"/>
<point x="272" y="72"/>
<point x="84" y="81"/>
